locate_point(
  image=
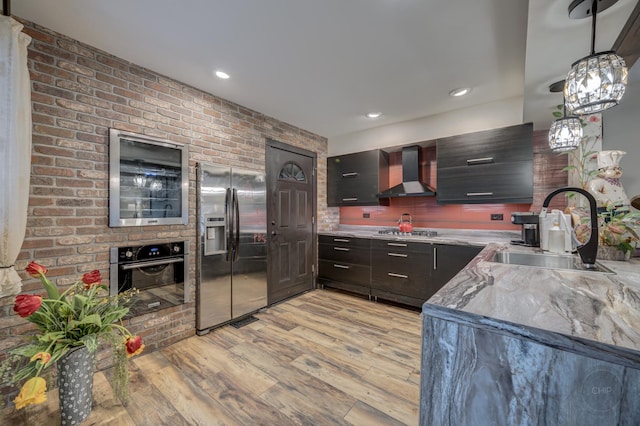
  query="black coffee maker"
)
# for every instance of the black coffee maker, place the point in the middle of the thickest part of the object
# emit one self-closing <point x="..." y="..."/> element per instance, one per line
<point x="530" y="223"/>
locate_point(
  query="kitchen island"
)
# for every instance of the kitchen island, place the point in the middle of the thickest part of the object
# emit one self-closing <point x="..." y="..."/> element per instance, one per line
<point x="517" y="345"/>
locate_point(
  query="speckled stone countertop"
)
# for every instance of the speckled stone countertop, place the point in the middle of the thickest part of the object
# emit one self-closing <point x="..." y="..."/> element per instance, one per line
<point x="444" y="236"/>
<point x="589" y="313"/>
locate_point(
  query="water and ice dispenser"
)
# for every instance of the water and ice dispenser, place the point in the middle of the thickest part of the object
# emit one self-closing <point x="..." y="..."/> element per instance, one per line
<point x="215" y="235"/>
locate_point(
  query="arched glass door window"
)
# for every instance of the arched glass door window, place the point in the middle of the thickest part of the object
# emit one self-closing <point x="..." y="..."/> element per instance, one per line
<point x="291" y="171"/>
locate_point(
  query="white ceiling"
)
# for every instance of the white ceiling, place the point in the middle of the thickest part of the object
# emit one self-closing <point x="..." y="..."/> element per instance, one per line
<point x="322" y="64"/>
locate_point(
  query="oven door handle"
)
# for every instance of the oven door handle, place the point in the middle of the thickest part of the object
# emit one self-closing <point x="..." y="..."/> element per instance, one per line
<point x="144" y="264"/>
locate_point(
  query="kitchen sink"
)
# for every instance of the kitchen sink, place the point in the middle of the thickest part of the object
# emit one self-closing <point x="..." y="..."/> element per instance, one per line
<point x="549" y="261"/>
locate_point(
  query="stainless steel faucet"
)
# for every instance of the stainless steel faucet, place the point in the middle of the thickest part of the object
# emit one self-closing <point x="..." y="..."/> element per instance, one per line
<point x="588" y="251"/>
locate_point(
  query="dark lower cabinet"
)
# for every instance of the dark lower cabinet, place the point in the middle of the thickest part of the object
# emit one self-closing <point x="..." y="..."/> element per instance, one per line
<point x="400" y="271"/>
<point x="448" y="260"/>
<point x="345" y="263"/>
<point x="406" y="272"/>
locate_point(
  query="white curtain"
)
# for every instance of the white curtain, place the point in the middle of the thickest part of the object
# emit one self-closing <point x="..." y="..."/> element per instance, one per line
<point x="15" y="149"/>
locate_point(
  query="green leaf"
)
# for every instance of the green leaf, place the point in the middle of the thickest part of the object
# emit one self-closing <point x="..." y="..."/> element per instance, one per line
<point x="93" y="319"/>
<point x="52" y="290"/>
<point x="78" y="302"/>
<point x="90" y="341"/>
<point x="557" y="114"/>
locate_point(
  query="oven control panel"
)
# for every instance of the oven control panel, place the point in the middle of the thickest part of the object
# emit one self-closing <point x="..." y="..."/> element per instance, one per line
<point x="147" y="252"/>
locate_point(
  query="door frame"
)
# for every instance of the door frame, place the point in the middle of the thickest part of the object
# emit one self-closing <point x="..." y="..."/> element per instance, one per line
<point x="271" y="143"/>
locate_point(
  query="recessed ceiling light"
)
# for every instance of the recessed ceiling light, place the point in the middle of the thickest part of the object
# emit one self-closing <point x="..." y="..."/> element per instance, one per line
<point x="459" y="92"/>
<point x="222" y="74"/>
<point x="373" y="114"/>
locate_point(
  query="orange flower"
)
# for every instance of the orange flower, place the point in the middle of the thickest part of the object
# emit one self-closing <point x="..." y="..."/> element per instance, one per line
<point x="91" y="278"/>
<point x="44" y="357"/>
<point x="32" y="392"/>
<point x="134" y="345"/>
<point x="36" y="270"/>
<point x="27" y="304"/>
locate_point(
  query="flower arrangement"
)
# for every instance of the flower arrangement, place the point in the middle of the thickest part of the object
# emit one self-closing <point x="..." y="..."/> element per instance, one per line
<point x="615" y="229"/>
<point x="80" y="316"/>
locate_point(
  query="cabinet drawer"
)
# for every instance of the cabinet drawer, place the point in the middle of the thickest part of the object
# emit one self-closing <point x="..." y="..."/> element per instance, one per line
<point x="344" y="241"/>
<point x="408" y="263"/>
<point x="400" y="246"/>
<point x="402" y="282"/>
<point x="508" y="182"/>
<point x="344" y="253"/>
<point x="352" y="165"/>
<point x="344" y="272"/>
<point x="356" y="190"/>
<point x="514" y="143"/>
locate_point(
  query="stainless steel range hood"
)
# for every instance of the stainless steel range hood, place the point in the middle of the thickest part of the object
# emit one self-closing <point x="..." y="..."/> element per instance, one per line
<point x="412" y="182"/>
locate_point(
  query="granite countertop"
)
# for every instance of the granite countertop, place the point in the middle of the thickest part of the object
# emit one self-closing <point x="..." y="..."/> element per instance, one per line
<point x="589" y="313"/>
<point x="470" y="237"/>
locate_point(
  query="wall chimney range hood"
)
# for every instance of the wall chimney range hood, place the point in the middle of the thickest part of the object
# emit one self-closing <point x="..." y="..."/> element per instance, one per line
<point x="412" y="182"/>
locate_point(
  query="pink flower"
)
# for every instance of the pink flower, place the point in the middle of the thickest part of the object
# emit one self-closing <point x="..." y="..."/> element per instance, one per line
<point x="27" y="304"/>
<point x="91" y="278"/>
<point x="134" y="345"/>
<point x="35" y="270"/>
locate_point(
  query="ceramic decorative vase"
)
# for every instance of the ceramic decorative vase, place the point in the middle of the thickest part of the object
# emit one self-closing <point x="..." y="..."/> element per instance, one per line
<point x="612" y="253"/>
<point x="75" y="385"/>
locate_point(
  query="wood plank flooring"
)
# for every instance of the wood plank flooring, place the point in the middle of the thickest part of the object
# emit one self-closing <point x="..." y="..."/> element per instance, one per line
<point x="323" y="358"/>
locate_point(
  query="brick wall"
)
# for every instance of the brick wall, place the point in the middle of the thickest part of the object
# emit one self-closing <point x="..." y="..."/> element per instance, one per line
<point x="78" y="92"/>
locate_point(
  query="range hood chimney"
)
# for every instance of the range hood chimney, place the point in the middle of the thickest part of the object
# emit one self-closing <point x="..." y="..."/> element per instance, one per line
<point x="412" y="181"/>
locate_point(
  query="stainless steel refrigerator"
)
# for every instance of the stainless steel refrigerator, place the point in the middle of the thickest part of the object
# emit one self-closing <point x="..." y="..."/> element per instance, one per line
<point x="231" y="269"/>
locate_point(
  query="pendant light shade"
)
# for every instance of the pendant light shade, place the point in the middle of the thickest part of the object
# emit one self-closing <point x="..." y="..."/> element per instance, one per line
<point x="598" y="81"/>
<point x="565" y="134"/>
<point x="595" y="83"/>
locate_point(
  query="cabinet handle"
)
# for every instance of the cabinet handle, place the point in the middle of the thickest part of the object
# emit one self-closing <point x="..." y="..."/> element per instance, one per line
<point x="341" y="240"/>
<point x="391" y="274"/>
<point x="478" y="194"/>
<point x="351" y="174"/>
<point x="335" y="265"/>
<point x="484" y="160"/>
<point x="435" y="258"/>
<point x="397" y="255"/>
<point x="396" y="244"/>
<point x="350" y="199"/>
<point x="341" y="249"/>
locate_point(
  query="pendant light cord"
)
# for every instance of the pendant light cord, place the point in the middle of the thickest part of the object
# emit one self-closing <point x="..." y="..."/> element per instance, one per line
<point x="594" y="12"/>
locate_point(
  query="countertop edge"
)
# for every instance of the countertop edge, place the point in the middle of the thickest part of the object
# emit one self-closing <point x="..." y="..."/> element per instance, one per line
<point x="553" y="339"/>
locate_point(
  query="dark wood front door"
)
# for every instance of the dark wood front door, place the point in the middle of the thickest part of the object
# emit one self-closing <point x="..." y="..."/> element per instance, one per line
<point x="290" y="220"/>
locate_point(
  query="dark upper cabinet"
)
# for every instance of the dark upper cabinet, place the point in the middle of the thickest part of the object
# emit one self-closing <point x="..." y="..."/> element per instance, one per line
<point x="355" y="179"/>
<point x="493" y="166"/>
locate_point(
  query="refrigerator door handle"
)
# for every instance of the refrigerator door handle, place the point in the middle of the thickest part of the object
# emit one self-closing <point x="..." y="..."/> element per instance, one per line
<point x="228" y="218"/>
<point x="236" y="207"/>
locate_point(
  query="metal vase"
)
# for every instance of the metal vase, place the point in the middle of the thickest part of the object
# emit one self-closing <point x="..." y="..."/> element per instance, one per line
<point x="75" y="385"/>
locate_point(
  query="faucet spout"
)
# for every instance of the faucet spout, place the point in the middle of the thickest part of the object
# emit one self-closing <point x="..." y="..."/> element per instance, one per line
<point x="588" y="251"/>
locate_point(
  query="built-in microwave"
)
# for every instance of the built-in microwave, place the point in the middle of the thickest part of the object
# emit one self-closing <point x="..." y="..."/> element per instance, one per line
<point x="148" y="180"/>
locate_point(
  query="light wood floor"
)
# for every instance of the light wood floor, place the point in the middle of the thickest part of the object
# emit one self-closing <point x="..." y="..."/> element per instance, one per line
<point x="323" y="358"/>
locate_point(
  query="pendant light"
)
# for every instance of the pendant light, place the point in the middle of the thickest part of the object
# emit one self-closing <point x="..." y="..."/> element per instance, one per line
<point x="595" y="82"/>
<point x="565" y="133"/>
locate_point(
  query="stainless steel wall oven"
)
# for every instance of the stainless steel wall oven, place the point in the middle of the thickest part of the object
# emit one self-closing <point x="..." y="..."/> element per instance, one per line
<point x="159" y="271"/>
<point x="148" y="181"/>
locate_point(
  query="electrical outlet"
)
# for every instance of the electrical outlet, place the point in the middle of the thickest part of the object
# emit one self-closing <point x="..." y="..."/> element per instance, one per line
<point x="366" y="215"/>
<point x="497" y="216"/>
